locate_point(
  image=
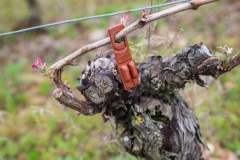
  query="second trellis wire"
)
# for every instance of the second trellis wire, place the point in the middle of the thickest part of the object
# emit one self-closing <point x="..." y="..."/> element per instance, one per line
<point x="92" y="17"/>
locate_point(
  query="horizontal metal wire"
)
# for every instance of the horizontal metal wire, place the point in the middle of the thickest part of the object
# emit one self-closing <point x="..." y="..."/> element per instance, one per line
<point x="92" y="17"/>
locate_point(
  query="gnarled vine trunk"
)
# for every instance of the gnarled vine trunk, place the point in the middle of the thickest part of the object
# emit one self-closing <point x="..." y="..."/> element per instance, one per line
<point x="153" y="121"/>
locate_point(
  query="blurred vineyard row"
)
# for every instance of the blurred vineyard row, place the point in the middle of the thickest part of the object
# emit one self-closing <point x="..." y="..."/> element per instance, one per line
<point x="34" y="126"/>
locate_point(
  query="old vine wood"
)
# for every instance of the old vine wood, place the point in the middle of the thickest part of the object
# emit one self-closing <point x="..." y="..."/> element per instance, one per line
<point x="152" y="120"/>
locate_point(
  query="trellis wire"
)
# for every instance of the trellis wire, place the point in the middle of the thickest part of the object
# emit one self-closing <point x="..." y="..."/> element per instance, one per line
<point x="92" y="17"/>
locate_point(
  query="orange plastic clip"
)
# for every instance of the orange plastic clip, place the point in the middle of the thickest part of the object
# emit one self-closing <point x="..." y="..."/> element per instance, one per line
<point x="126" y="66"/>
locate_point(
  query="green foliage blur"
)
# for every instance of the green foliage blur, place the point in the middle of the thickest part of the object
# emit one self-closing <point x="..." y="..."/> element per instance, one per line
<point x="33" y="125"/>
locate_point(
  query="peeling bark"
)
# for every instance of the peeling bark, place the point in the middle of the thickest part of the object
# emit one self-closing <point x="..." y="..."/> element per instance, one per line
<point x="152" y="120"/>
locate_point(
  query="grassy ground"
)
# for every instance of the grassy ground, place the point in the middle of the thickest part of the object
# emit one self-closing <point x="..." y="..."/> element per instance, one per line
<point x="34" y="126"/>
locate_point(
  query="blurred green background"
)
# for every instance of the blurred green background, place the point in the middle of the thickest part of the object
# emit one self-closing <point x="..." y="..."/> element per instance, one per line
<point x="33" y="125"/>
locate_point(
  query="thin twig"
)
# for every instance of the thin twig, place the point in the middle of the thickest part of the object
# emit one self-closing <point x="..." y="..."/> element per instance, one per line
<point x="172" y="40"/>
<point x="167" y="35"/>
<point x="149" y="32"/>
<point x="136" y="25"/>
